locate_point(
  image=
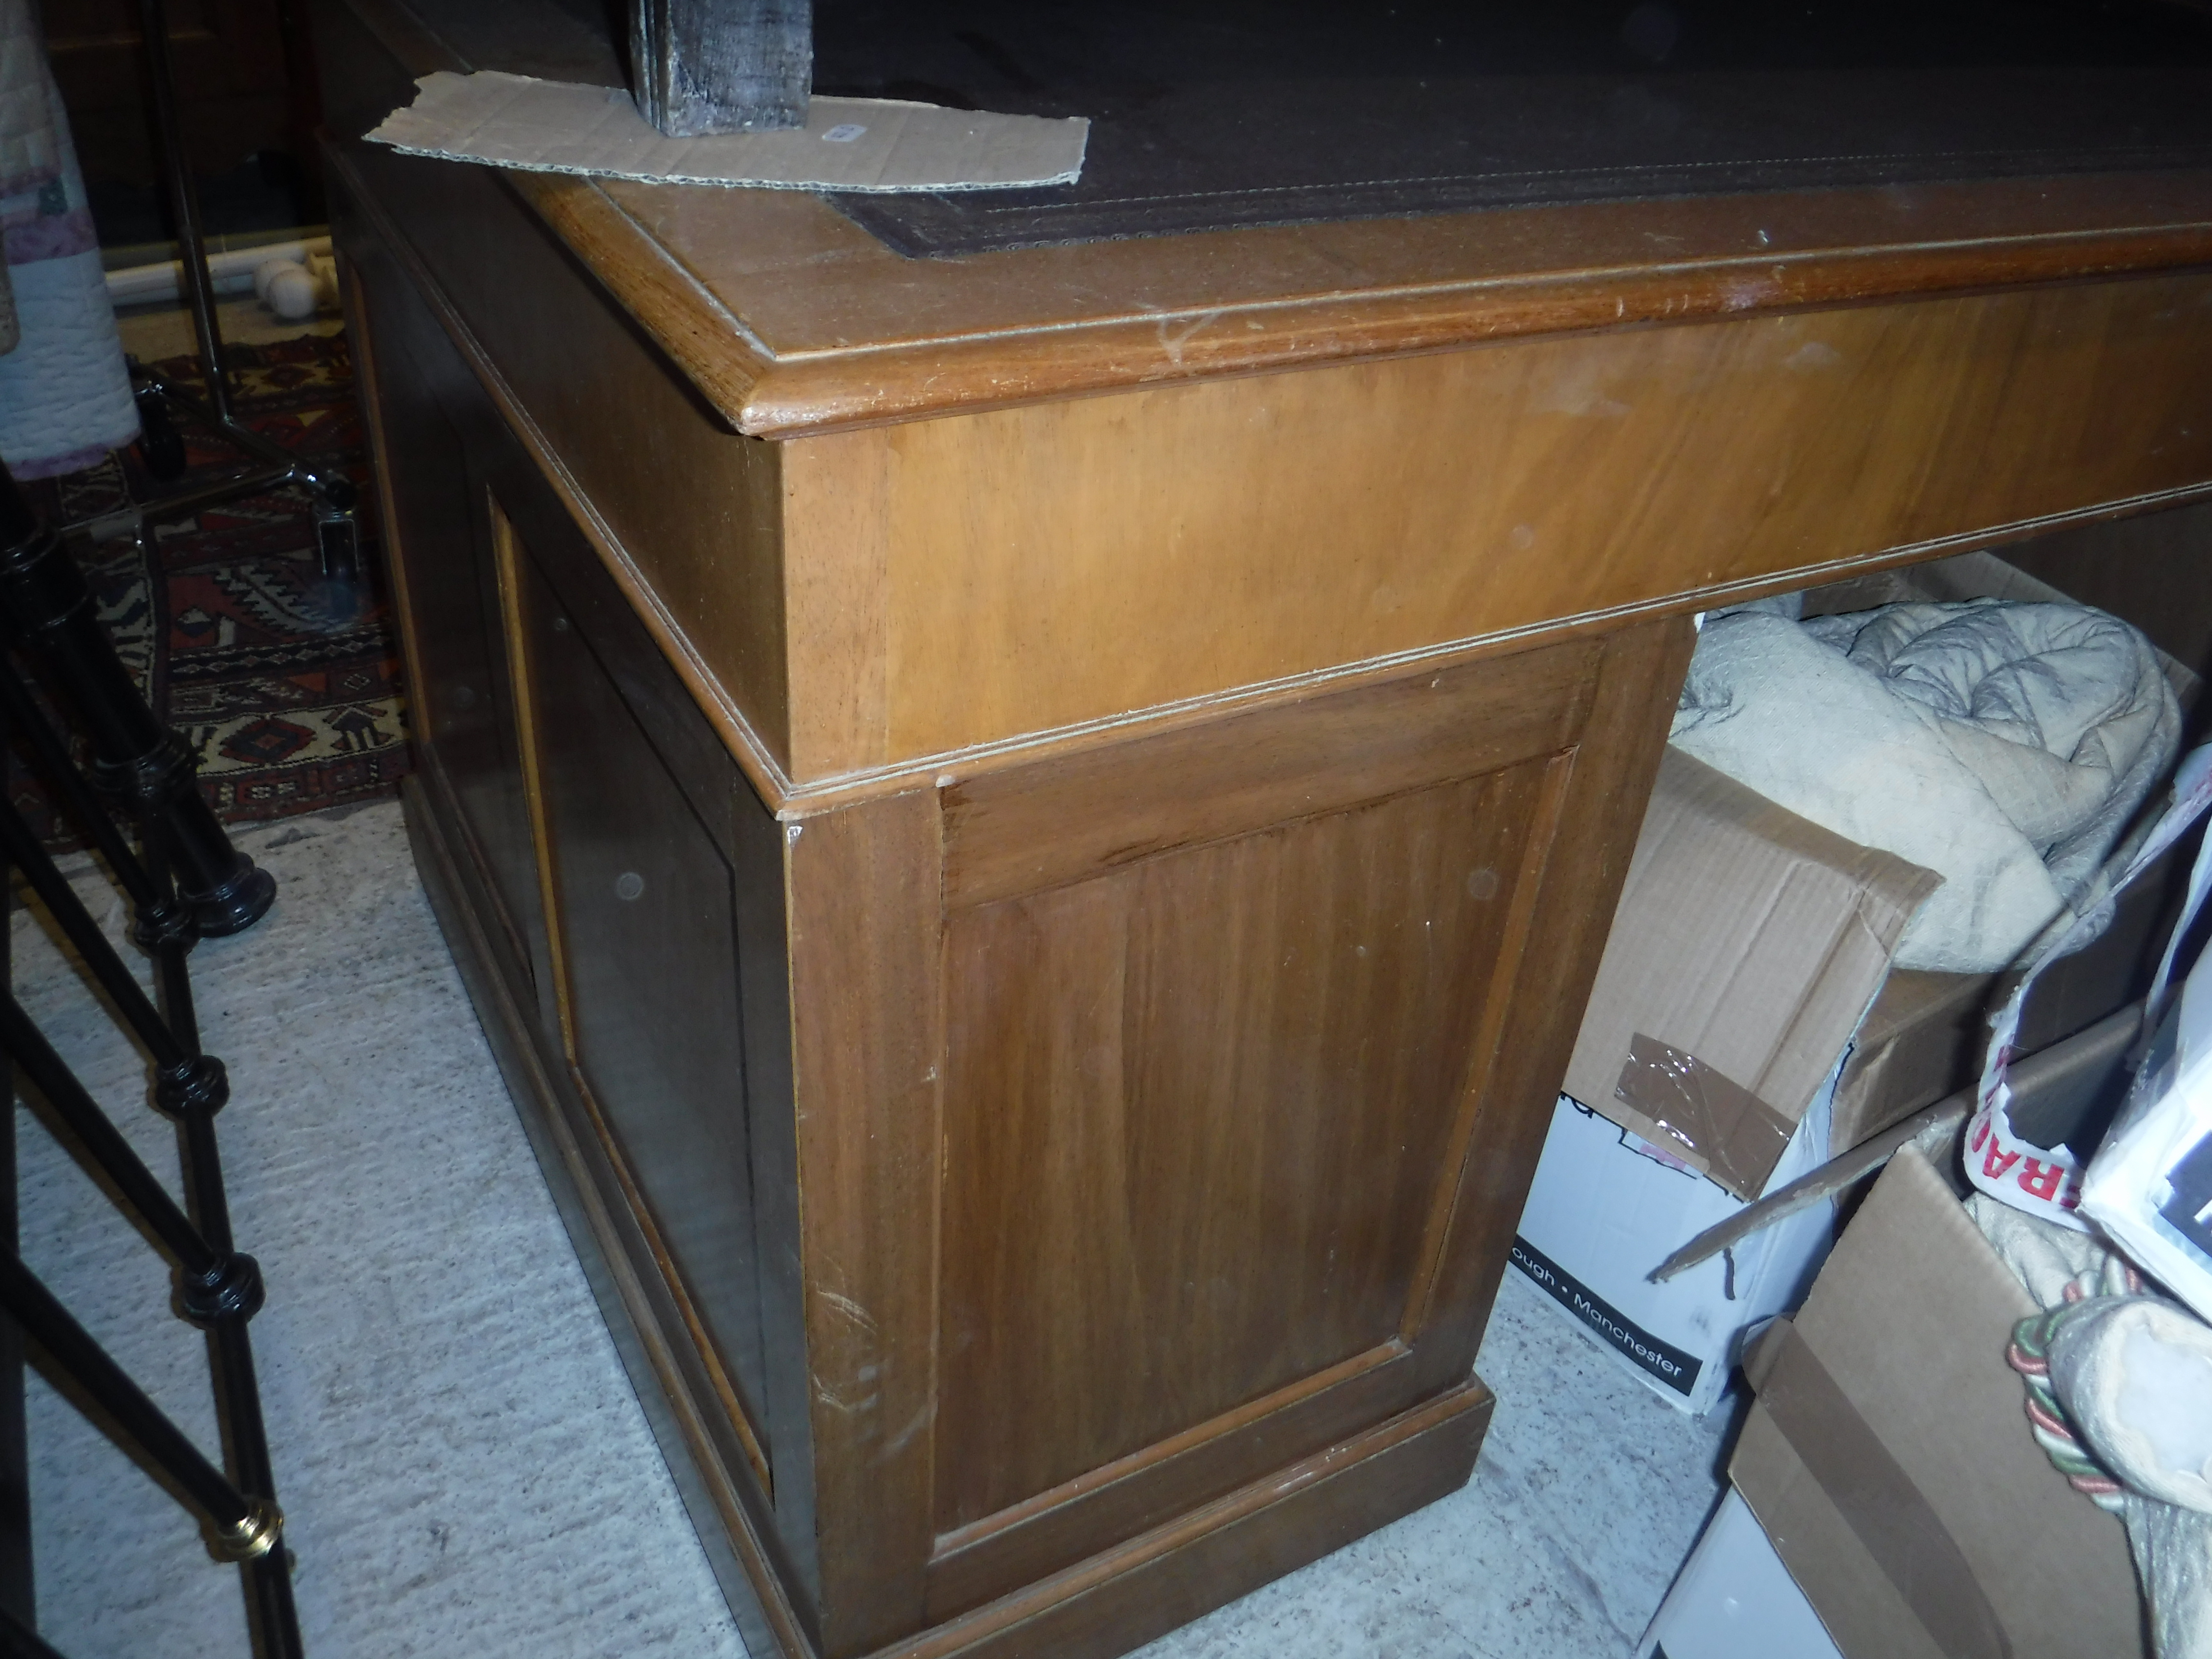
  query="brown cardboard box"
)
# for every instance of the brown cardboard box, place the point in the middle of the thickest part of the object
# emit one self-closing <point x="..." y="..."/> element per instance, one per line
<point x="1889" y="1460"/>
<point x="1927" y="1034"/>
<point x="1746" y="947"/>
<point x="1749" y="942"/>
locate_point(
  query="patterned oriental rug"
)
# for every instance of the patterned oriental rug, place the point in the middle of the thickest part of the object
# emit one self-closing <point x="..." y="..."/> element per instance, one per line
<point x="215" y="614"/>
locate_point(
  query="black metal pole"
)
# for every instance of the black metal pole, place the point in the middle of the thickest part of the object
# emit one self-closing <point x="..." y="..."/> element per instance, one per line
<point x="338" y="534"/>
<point x="184" y="204"/>
<point x="281" y="465"/>
<point x="216" y="1285"/>
<point x="21" y="849"/>
<point x="268" y="1579"/>
<point x="220" y="1287"/>
<point x="59" y="773"/>
<point x="239" y="1527"/>
<point x="19" y="1641"/>
<point x="18" y="1586"/>
<point x="270" y="1610"/>
<point x="45" y="603"/>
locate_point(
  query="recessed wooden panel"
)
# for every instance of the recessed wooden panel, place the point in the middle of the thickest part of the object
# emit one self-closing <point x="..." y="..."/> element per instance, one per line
<point x="645" y="906"/>
<point x="1196" y="1113"/>
<point x="458" y="691"/>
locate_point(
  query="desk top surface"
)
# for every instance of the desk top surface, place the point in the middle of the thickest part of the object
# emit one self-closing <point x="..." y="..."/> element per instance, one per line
<point x="791" y="317"/>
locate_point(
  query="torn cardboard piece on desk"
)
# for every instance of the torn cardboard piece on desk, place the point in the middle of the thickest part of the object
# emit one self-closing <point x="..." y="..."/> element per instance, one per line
<point x="847" y="144"/>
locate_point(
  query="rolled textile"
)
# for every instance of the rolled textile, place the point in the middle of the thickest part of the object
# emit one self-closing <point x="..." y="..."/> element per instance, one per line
<point x="64" y="392"/>
<point x="2008" y="747"/>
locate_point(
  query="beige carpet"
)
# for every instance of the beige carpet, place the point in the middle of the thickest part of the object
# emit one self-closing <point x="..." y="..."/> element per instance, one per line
<point x="466" y="1469"/>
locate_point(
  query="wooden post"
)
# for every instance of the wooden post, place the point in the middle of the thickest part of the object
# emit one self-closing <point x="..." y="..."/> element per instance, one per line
<point x="703" y="66"/>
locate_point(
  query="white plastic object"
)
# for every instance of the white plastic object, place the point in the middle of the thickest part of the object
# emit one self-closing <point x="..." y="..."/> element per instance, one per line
<point x="2050" y="1181"/>
<point x="265" y="272"/>
<point x="233" y="271"/>
<point x="291" y="292"/>
<point x="2149" y="1186"/>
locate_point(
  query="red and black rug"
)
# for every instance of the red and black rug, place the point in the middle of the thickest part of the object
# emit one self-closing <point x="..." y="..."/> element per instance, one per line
<point x="217" y="614"/>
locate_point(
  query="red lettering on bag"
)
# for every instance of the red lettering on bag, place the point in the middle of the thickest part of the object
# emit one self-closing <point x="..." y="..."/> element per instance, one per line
<point x="2041" y="1180"/>
<point x="1981" y="1134"/>
<point x="1998" y="1160"/>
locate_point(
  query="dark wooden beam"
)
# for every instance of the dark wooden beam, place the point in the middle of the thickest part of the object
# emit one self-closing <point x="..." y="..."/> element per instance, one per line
<point x="702" y="66"/>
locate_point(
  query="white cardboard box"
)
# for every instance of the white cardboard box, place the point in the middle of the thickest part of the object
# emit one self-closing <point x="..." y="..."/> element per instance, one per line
<point x="1734" y="1599"/>
<point x="1607" y="1207"/>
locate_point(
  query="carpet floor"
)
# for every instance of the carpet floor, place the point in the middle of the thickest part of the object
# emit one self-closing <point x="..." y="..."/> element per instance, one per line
<point x="464" y="1465"/>
<point x="288" y="709"/>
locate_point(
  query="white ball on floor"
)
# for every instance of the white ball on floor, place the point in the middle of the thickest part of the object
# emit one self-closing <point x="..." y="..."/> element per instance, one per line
<point x="267" y="269"/>
<point x="291" y="293"/>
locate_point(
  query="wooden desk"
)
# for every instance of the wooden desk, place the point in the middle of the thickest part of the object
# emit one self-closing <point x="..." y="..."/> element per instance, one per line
<point x="1032" y="831"/>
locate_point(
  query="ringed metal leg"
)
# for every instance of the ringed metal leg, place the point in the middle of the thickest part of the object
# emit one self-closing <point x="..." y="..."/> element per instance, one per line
<point x="45" y="607"/>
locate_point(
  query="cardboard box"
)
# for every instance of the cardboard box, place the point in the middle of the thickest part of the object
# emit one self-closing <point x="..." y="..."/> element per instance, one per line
<point x="1751" y="950"/>
<point x="1751" y="946"/>
<point x="1926" y="1034"/>
<point x="1746" y="949"/>
<point x="1606" y="1205"/>
<point x="1888" y="1460"/>
<point x="1734" y="1599"/>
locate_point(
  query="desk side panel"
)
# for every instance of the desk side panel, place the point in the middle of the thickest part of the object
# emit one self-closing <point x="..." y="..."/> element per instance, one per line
<point x="687" y="506"/>
<point x="984" y="576"/>
<point x="623" y="884"/>
<point x="1165" y="1109"/>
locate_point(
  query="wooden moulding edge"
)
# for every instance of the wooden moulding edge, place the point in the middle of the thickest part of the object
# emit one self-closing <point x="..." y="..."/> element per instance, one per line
<point x="746" y="746"/>
<point x="1135" y="1609"/>
<point x="765" y="393"/>
<point x="798" y="395"/>
<point x="791" y="798"/>
<point x="718" y="354"/>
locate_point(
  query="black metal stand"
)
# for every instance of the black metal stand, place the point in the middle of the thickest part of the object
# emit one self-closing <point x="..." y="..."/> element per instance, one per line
<point x="161" y="402"/>
<point x="43" y="604"/>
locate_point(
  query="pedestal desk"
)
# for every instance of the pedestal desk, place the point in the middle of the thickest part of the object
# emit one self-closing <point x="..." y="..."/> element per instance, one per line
<point x="1032" y="830"/>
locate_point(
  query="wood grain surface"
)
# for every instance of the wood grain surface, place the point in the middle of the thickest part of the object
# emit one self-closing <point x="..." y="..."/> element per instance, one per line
<point x="1125" y="1596"/>
<point x="866" y="1045"/>
<point x="1194" y="1113"/>
<point x="791" y="319"/>
<point x="862" y="611"/>
<point x="960" y="581"/>
<point x="1061" y="1170"/>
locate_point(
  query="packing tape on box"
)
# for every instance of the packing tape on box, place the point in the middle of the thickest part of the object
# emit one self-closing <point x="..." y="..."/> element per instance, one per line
<point x="1888" y="1514"/>
<point x="1737" y="1134"/>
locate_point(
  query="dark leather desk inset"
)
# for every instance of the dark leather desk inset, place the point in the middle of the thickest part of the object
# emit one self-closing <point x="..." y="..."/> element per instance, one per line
<point x="1205" y="117"/>
<point x="1032" y="830"/>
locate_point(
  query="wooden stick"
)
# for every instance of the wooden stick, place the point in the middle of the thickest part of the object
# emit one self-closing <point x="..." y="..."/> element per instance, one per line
<point x="707" y="66"/>
<point x="1934" y="1128"/>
